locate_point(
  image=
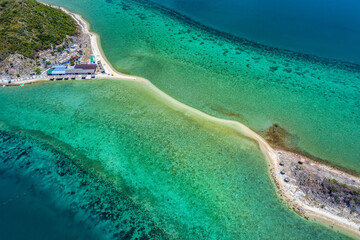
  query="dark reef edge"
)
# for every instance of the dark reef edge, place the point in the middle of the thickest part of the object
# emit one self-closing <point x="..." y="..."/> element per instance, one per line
<point x="329" y="62"/>
<point x="88" y="191"/>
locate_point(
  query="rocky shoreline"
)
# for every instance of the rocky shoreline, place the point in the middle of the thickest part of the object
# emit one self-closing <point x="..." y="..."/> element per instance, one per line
<point x="317" y="191"/>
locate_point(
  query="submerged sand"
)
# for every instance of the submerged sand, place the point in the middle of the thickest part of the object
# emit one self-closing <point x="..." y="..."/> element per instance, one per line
<point x="285" y="190"/>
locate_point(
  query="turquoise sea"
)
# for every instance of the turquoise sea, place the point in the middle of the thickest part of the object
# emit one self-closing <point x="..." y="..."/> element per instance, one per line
<point x="315" y="100"/>
<point x="115" y="158"/>
<point x="109" y="159"/>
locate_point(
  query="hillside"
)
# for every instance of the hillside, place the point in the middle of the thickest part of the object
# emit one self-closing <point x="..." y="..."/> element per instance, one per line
<point x="27" y="26"/>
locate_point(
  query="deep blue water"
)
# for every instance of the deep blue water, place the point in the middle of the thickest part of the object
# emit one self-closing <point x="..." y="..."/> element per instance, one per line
<point x="27" y="213"/>
<point x="326" y="28"/>
<point x="31" y="204"/>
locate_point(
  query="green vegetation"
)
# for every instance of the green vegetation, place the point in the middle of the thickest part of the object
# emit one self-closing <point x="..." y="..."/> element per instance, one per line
<point x="333" y="181"/>
<point x="27" y="26"/>
<point x="38" y="71"/>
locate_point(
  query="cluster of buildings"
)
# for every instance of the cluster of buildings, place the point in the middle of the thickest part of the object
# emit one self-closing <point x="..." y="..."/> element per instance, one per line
<point x="71" y="54"/>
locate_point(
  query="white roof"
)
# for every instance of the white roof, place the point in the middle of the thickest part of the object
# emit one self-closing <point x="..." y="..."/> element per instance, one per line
<point x="58" y="72"/>
<point x="59" y="67"/>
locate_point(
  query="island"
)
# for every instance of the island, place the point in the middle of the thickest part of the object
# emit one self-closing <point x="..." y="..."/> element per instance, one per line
<point x="35" y="37"/>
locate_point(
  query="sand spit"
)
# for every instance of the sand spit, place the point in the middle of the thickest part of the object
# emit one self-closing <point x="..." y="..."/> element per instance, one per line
<point x="332" y="215"/>
<point x="288" y="185"/>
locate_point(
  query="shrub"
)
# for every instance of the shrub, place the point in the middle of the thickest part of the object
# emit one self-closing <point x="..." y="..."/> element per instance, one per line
<point x="333" y="181"/>
<point x="27" y="26"/>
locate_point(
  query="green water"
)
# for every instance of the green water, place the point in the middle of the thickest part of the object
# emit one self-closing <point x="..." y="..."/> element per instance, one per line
<point x="317" y="101"/>
<point x="139" y="168"/>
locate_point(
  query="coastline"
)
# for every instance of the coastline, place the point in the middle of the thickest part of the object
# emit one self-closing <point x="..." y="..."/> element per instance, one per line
<point x="97" y="50"/>
<point x="271" y="154"/>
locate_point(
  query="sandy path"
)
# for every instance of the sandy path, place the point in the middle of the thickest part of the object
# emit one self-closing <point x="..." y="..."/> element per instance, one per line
<point x="332" y="220"/>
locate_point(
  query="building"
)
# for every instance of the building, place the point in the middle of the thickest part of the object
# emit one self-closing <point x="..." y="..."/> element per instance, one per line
<point x="59" y="68"/>
<point x="74" y="58"/>
<point x="82" y="69"/>
<point x="92" y="59"/>
<point x="56" y="70"/>
<point x="87" y="67"/>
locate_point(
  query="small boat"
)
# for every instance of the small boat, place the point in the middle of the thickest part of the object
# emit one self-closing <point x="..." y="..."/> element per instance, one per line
<point x="286" y="179"/>
<point x="282" y="172"/>
<point x="281" y="163"/>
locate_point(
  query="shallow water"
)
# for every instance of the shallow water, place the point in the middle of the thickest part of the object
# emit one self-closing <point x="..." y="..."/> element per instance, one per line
<point x="315" y="100"/>
<point x="124" y="162"/>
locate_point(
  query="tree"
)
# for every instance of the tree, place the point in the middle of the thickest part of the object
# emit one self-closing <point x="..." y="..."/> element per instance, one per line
<point x="38" y="71"/>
